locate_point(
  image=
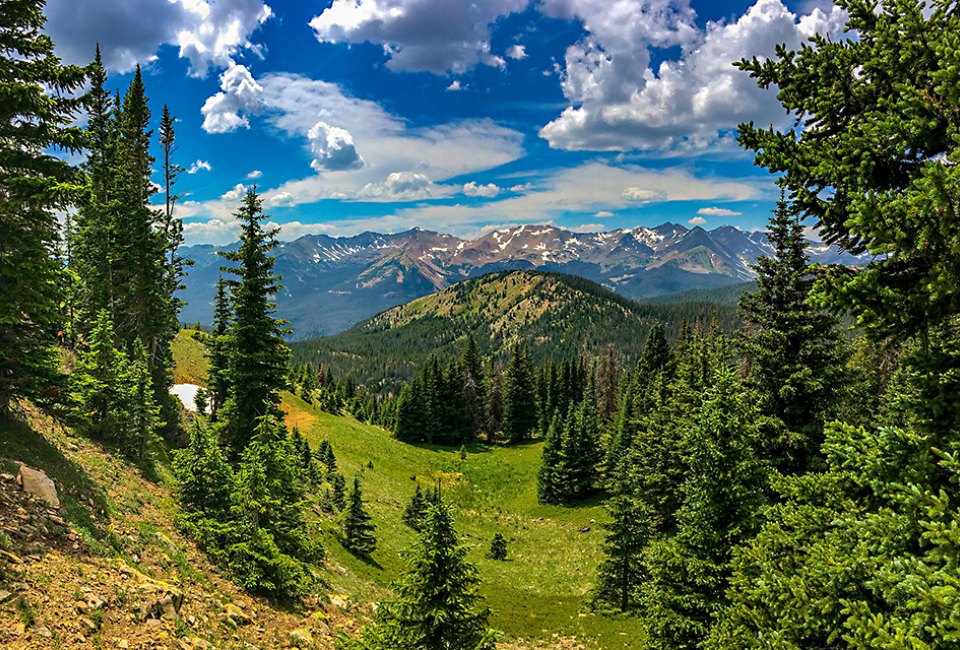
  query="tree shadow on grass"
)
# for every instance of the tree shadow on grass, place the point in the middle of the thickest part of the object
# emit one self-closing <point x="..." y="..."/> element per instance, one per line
<point x="82" y="502"/>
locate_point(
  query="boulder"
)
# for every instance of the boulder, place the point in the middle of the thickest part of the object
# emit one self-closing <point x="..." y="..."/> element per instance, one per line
<point x="161" y="601"/>
<point x="234" y="615"/>
<point x="37" y="484"/>
<point x="300" y="638"/>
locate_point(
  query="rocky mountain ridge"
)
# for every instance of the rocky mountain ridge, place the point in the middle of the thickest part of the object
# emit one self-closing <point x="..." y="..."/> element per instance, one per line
<point x="330" y="283"/>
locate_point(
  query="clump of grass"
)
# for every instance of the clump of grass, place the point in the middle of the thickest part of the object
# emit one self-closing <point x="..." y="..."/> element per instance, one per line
<point x="27" y="614"/>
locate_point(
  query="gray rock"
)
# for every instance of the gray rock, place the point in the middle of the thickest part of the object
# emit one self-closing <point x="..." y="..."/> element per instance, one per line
<point x="37" y="484"/>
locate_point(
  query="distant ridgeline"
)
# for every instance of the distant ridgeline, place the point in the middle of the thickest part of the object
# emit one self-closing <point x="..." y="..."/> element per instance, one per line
<point x="333" y="283"/>
<point x="556" y="316"/>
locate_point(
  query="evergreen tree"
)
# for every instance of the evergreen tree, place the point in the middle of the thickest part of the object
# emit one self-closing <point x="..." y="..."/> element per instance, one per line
<point x="358" y="530"/>
<point x="548" y="476"/>
<point x="204" y="477"/>
<point x="621" y="573"/>
<point x="889" y="164"/>
<point x="621" y="440"/>
<point x="722" y="494"/>
<point x="580" y="452"/>
<point x="94" y="238"/>
<point x="519" y="397"/>
<point x="498" y="548"/>
<point x="437" y="604"/>
<point x="339" y="495"/>
<point x="258" y="354"/>
<point x="409" y="420"/>
<point x="474" y="388"/>
<point x="37" y="107"/>
<point x="608" y="386"/>
<point x="494" y="408"/>
<point x="272" y="543"/>
<point x="794" y="352"/>
<point x="143" y="413"/>
<point x="413" y="512"/>
<point x="98" y="394"/>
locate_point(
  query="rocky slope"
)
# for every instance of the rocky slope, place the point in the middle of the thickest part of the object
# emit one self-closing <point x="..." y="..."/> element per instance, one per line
<point x="109" y="569"/>
<point x="331" y="283"/>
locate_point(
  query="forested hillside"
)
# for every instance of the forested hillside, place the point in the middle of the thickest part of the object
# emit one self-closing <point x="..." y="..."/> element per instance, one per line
<point x="555" y="315"/>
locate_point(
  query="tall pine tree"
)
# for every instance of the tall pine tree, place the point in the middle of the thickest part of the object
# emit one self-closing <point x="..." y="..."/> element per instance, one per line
<point x="258" y="353"/>
<point x="794" y="352"/>
<point x="519" y="397"/>
<point x="358" y="537"/>
<point x="37" y="107"/>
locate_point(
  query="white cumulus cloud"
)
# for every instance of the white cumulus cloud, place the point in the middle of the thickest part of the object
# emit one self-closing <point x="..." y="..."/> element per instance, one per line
<point x="235" y="193"/>
<point x="697" y="221"/>
<point x="517" y="52"/>
<point x="603" y="214"/>
<point x="400" y="185"/>
<point x="718" y="212"/>
<point x="198" y="166"/>
<point x="643" y="195"/>
<point x="240" y="95"/>
<point x="209" y="33"/>
<point x="332" y="148"/>
<point x="256" y="173"/>
<point x="280" y="200"/>
<point x="454" y="86"/>
<point x="473" y="189"/>
<point x="419" y="35"/>
<point x="619" y="102"/>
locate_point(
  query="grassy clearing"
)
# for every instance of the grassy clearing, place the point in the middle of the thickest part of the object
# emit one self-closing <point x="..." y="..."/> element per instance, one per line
<point x="190" y="359"/>
<point x="538" y="592"/>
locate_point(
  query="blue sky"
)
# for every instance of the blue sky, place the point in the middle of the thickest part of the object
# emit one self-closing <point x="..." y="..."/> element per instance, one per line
<point x="453" y="115"/>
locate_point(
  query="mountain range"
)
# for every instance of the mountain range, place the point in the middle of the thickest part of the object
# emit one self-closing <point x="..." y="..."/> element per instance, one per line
<point x="331" y="283"/>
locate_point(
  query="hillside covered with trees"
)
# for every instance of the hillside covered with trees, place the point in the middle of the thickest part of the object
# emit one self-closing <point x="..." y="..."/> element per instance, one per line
<point x="555" y="316"/>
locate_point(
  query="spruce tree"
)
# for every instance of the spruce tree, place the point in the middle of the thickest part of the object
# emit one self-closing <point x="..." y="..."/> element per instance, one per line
<point x="580" y="452"/>
<point x="413" y="512"/>
<point x="272" y="542"/>
<point x="549" y="474"/>
<point x="494" y="408"/>
<point x="621" y="573"/>
<point x="98" y="394"/>
<point x="608" y="386"/>
<point x="519" y="397"/>
<point x="358" y="537"/>
<point x="339" y="496"/>
<point x="204" y="477"/>
<point x="409" y="418"/>
<point x="220" y="350"/>
<point x="36" y="95"/>
<point x="258" y="354"/>
<point x="437" y="606"/>
<point x="95" y="238"/>
<point x="143" y="413"/>
<point x="621" y="440"/>
<point x="793" y="351"/>
<point x="498" y="548"/>
<point x="721" y="498"/>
